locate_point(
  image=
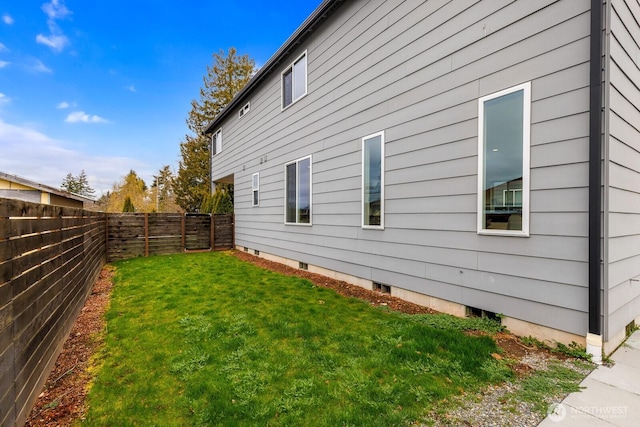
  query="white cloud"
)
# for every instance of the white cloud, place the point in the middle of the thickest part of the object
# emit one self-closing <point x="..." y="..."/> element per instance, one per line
<point x="82" y="117"/>
<point x="37" y="66"/>
<point x="3" y="48"/>
<point x="56" y="9"/>
<point x="131" y="88"/>
<point x="4" y="64"/>
<point x="56" y="40"/>
<point x="32" y="154"/>
<point x="7" y="19"/>
<point x="63" y="105"/>
<point x="4" y="99"/>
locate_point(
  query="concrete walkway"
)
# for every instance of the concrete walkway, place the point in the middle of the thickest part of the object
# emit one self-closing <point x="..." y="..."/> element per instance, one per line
<point x="611" y="396"/>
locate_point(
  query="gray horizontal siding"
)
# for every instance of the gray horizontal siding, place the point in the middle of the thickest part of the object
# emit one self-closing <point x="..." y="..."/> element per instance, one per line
<point x="623" y="299"/>
<point x="416" y="70"/>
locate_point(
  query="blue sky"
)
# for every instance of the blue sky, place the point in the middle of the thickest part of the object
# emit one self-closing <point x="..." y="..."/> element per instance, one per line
<point x="106" y="86"/>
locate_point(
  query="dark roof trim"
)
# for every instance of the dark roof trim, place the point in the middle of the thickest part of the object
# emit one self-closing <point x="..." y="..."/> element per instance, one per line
<point x="326" y="8"/>
<point x="37" y="186"/>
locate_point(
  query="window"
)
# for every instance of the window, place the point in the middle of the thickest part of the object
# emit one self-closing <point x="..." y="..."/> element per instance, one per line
<point x="294" y="81"/>
<point x="255" y="188"/>
<point x="373" y="181"/>
<point x="244" y="110"/>
<point x="504" y="121"/>
<point x="216" y="142"/>
<point x="298" y="191"/>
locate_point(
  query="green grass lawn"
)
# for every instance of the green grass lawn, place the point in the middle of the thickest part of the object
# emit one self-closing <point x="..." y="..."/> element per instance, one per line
<point x="206" y="339"/>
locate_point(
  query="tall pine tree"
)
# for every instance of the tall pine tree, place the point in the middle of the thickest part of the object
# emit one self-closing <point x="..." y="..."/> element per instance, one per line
<point x="78" y="185"/>
<point x="162" y="191"/>
<point x="228" y="74"/>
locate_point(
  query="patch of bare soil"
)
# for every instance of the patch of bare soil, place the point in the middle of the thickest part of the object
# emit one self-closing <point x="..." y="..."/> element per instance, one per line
<point x="63" y="398"/>
<point x="341" y="287"/>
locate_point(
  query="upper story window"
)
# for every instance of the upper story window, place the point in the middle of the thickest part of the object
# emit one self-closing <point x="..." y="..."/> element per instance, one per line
<point x="244" y="110"/>
<point x="216" y="142"/>
<point x="255" y="189"/>
<point x="294" y="81"/>
<point x="504" y="123"/>
<point x="373" y="181"/>
<point x="298" y="191"/>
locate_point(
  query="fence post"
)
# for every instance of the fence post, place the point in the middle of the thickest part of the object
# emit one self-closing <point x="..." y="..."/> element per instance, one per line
<point x="146" y="234"/>
<point x="106" y="237"/>
<point x="184" y="239"/>
<point x="213" y="232"/>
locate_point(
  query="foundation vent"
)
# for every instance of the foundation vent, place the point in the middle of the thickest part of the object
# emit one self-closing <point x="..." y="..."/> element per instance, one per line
<point x="381" y="287"/>
<point x="478" y="312"/>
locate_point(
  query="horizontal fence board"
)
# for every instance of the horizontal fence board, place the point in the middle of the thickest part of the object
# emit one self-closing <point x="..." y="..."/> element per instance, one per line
<point x="50" y="257"/>
<point x="24" y="226"/>
<point x="129" y="237"/>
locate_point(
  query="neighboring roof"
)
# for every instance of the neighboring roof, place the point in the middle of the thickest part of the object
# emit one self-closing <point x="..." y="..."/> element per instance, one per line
<point x="326" y="8"/>
<point x="28" y="183"/>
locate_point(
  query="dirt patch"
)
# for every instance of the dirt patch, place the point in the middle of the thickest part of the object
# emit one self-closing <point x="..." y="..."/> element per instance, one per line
<point x="341" y="287"/>
<point x="63" y="398"/>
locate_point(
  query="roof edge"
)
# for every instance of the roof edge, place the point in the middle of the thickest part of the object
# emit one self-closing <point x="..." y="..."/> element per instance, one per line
<point x="317" y="17"/>
<point x="37" y="186"/>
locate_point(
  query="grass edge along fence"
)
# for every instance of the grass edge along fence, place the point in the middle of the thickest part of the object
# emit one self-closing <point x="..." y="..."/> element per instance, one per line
<point x="50" y="257"/>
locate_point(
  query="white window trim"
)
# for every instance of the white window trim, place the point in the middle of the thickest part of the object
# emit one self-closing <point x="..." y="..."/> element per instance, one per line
<point x="382" y="156"/>
<point x="214" y="141"/>
<point x="526" y="167"/>
<point x="244" y="110"/>
<point x="255" y="188"/>
<point x="306" y="81"/>
<point x="297" y="198"/>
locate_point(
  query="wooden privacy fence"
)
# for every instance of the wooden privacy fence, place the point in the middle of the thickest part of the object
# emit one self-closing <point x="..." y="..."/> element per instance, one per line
<point x="131" y="235"/>
<point x="50" y="257"/>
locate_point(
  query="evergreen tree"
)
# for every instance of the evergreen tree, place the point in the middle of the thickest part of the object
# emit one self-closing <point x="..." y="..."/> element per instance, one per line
<point x="225" y="77"/>
<point x="162" y="190"/>
<point x="221" y="201"/>
<point x="78" y="185"/>
<point x="128" y="205"/>
<point x="193" y="182"/>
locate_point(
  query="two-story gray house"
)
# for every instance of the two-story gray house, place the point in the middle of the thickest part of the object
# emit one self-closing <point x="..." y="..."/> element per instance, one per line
<point x="477" y="155"/>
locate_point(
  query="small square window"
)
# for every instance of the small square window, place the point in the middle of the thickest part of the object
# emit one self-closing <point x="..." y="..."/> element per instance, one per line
<point x="244" y="110"/>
